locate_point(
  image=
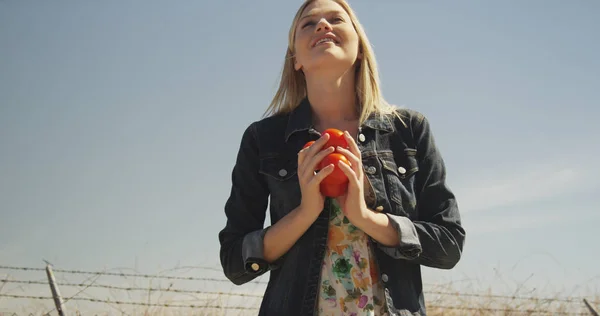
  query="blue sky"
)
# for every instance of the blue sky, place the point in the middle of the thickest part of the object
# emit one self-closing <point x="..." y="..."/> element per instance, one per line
<point x="120" y="121"/>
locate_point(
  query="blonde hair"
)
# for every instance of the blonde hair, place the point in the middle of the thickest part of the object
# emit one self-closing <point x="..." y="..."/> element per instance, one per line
<point x="292" y="85"/>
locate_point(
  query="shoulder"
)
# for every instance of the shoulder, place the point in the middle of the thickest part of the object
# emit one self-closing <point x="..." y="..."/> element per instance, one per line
<point x="265" y="131"/>
<point x="269" y="127"/>
<point x="271" y="124"/>
<point x="407" y="117"/>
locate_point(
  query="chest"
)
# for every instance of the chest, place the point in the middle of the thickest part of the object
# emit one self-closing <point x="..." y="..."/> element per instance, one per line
<point x="390" y="169"/>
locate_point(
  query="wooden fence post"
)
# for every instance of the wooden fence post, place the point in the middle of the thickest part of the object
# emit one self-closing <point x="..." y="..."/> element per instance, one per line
<point x="58" y="301"/>
<point x="590" y="307"/>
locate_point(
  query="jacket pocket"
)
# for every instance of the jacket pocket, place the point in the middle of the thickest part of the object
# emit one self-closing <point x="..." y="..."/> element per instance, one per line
<point x="278" y="168"/>
<point x="399" y="174"/>
<point x="280" y="172"/>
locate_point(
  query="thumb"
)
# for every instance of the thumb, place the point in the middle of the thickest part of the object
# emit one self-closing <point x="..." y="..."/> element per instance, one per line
<point x="341" y="202"/>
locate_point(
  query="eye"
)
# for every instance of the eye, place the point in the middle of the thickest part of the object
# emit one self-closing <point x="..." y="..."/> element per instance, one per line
<point x="307" y="24"/>
<point x="337" y="19"/>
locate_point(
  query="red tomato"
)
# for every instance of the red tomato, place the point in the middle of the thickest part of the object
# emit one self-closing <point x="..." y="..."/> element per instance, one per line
<point x="336" y="138"/>
<point x="337" y="176"/>
<point x="308" y="144"/>
<point x="336" y="183"/>
<point x="333" y="190"/>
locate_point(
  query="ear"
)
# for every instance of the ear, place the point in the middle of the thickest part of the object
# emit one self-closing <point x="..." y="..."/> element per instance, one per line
<point x="297" y="65"/>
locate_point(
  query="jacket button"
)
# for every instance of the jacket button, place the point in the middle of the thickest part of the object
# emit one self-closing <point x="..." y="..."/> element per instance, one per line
<point x="255" y="266"/>
<point x="384" y="277"/>
<point x="379" y="208"/>
<point x="282" y="172"/>
<point x="361" y="137"/>
<point x="401" y="170"/>
<point x="371" y="170"/>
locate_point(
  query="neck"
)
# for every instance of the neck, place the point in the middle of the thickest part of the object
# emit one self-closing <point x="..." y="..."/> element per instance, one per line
<point x="333" y="100"/>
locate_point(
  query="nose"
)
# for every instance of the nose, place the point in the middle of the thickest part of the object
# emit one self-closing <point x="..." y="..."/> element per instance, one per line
<point x="323" y="25"/>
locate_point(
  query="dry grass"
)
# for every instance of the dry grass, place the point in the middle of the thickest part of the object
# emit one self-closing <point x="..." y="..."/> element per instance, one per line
<point x="213" y="297"/>
<point x="449" y="303"/>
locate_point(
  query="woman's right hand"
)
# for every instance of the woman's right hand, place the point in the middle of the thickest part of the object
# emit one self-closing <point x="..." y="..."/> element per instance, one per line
<point x="308" y="160"/>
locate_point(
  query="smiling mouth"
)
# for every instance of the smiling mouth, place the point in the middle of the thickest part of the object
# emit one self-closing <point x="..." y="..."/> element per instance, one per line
<point x="324" y="41"/>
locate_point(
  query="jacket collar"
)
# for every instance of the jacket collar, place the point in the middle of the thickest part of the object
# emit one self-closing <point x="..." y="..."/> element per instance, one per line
<point x="379" y="122"/>
<point x="300" y="119"/>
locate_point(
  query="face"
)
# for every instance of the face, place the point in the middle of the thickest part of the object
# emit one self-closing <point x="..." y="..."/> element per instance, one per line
<point x="325" y="36"/>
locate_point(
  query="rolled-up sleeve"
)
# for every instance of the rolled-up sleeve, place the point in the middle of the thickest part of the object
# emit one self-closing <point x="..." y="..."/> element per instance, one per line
<point x="436" y="238"/>
<point x="409" y="246"/>
<point x="241" y="240"/>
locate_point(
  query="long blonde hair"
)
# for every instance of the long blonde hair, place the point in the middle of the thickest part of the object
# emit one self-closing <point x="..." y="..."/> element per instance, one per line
<point x="292" y="85"/>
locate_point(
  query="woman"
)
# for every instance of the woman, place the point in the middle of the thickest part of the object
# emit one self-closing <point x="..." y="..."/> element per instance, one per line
<point x="360" y="253"/>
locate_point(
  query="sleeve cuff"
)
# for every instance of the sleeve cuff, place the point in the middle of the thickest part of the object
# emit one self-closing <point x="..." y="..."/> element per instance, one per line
<point x="252" y="254"/>
<point x="410" y="246"/>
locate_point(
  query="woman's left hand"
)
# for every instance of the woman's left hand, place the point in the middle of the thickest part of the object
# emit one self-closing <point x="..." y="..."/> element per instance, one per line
<point x="353" y="201"/>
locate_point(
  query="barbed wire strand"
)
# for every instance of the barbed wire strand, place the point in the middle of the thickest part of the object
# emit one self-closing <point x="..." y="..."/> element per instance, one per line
<point x="128" y="288"/>
<point x="93" y="300"/>
<point x="572" y="300"/>
<point x="167" y="277"/>
<point x="121" y="274"/>
<point x="488" y="309"/>
<point x="445" y="307"/>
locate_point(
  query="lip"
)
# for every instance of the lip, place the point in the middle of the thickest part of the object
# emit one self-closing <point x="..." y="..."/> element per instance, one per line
<point x="328" y="35"/>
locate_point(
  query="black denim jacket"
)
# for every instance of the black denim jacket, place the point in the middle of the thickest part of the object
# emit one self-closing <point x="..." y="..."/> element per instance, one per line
<point x="406" y="173"/>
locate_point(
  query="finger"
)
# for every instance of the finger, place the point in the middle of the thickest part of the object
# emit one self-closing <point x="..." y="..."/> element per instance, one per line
<point x="312" y="149"/>
<point x="322" y="174"/>
<point x="309" y="166"/>
<point x="354" y="161"/>
<point x="317" y="145"/>
<point x="312" y="163"/>
<point x="352" y="144"/>
<point x="302" y="155"/>
<point x="347" y="170"/>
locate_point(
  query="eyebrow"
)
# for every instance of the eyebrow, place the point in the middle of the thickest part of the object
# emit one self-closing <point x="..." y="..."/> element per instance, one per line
<point x="328" y="12"/>
<point x="306" y="16"/>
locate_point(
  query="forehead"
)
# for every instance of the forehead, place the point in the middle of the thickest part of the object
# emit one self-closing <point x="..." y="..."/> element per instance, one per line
<point x="322" y="7"/>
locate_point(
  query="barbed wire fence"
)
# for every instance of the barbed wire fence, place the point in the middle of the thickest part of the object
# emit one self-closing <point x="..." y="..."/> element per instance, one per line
<point x="217" y="302"/>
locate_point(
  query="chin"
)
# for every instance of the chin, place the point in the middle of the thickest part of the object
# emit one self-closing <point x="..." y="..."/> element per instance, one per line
<point x="332" y="59"/>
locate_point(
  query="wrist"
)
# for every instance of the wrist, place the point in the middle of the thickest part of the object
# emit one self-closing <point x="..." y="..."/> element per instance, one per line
<point x="365" y="216"/>
<point x="307" y="212"/>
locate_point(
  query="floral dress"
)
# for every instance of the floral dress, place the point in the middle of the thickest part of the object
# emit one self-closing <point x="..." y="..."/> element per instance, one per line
<point x="350" y="284"/>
